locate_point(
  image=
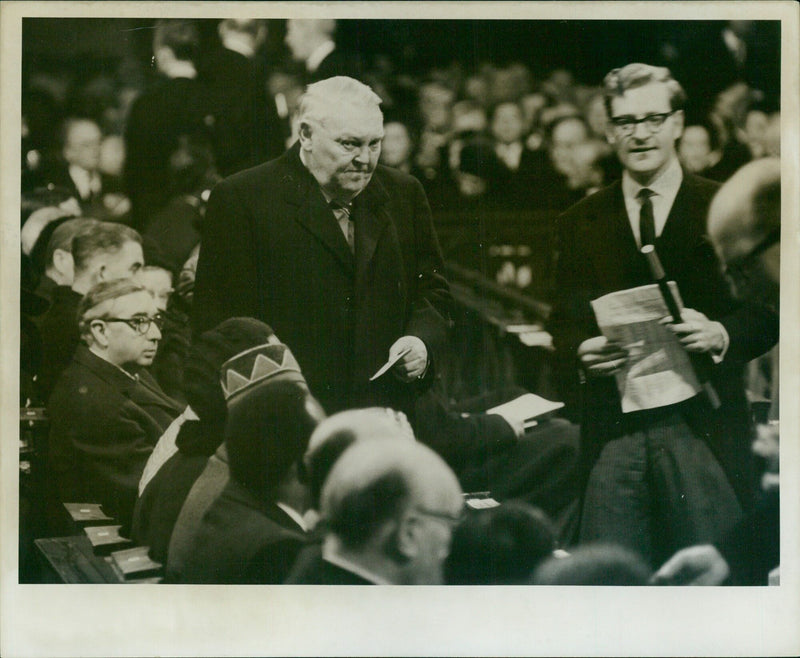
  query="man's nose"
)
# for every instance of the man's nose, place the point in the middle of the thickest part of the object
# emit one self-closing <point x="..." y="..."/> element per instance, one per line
<point x="363" y="154"/>
<point x="640" y="130"/>
<point x="153" y="332"/>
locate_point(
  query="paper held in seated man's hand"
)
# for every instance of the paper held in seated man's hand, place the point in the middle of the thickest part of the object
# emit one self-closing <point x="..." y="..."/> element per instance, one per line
<point x="658" y="371"/>
<point x="526" y="408"/>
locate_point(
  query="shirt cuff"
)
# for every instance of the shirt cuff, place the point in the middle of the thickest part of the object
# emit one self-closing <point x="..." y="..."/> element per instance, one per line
<point x="726" y="343"/>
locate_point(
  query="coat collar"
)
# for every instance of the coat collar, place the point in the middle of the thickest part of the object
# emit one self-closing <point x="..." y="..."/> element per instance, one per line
<point x="303" y="192"/>
<point x="106" y="371"/>
<point x="241" y="495"/>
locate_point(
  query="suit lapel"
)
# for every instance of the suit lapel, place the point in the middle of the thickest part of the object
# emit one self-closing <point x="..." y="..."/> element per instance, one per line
<point x="680" y="236"/>
<point x="614" y="253"/>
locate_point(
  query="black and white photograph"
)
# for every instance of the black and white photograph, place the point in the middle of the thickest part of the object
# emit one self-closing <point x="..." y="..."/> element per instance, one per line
<point x="477" y="302"/>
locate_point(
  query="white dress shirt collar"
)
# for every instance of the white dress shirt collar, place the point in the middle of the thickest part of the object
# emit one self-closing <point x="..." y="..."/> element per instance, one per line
<point x="86" y="182"/>
<point x="293" y="514"/>
<point x="665" y="189"/>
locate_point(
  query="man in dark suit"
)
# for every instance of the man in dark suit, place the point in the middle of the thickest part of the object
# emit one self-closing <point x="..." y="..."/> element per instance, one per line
<point x="312" y="42"/>
<point x="335" y="252"/>
<point x="254" y="530"/>
<point x="246" y="127"/>
<point x="106" y="411"/>
<point x="78" y="171"/>
<point x="101" y="251"/>
<point x="681" y="473"/>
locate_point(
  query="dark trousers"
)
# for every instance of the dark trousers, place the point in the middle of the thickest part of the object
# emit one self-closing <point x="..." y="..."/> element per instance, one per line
<point x="657" y="490"/>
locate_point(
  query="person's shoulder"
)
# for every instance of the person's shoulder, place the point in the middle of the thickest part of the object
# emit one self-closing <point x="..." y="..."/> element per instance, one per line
<point x="593" y="203"/>
<point x="700" y="185"/>
<point x="272" y="172"/>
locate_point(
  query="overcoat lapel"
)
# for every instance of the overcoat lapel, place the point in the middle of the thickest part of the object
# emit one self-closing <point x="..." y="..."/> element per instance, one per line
<point x="371" y="219"/>
<point x="311" y="211"/>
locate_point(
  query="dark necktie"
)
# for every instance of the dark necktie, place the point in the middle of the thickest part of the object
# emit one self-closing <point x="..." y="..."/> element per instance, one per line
<point x="647" y="225"/>
<point x="342" y="214"/>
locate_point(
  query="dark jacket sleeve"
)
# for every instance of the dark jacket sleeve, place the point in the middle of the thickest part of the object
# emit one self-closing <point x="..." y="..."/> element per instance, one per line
<point x="227" y="272"/>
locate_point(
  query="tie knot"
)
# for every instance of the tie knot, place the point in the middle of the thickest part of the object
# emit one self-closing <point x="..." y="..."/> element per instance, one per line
<point x="336" y="205"/>
<point x="644" y="194"/>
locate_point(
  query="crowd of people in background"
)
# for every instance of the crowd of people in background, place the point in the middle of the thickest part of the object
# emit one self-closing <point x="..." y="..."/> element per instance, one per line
<point x="210" y="452"/>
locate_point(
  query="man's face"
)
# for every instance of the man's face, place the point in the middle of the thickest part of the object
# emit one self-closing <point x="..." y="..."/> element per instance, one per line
<point x="124" y="264"/>
<point x="646" y="152"/>
<point x="126" y="346"/>
<point x="342" y="154"/>
<point x="438" y="519"/>
<point x="82" y="145"/>
<point x="695" y="148"/>
<point x="158" y="282"/>
<point x="396" y="147"/>
<point x="508" y="123"/>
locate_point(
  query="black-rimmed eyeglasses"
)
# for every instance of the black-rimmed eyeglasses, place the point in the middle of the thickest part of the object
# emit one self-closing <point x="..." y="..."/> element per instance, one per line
<point x="139" y="324"/>
<point x="626" y="124"/>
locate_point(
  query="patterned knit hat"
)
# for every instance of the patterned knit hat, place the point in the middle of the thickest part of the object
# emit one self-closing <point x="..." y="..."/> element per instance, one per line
<point x="208" y="352"/>
<point x="256" y="367"/>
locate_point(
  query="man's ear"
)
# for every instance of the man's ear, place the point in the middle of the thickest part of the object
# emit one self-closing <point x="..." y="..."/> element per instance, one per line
<point x="98" y="331"/>
<point x="406" y="537"/>
<point x="62" y="261"/>
<point x="304" y="135"/>
<point x="101" y="274"/>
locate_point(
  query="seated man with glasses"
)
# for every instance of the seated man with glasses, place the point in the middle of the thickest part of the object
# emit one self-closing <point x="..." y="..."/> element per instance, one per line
<point x="658" y="479"/>
<point x="106" y="411"/>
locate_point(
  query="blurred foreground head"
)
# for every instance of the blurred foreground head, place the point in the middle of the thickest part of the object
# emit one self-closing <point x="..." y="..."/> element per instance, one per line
<point x="594" y="564"/>
<point x="744" y="223"/>
<point x="390" y="507"/>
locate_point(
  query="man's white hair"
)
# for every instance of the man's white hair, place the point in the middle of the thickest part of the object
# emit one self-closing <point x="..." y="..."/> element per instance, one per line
<point x="324" y="98"/>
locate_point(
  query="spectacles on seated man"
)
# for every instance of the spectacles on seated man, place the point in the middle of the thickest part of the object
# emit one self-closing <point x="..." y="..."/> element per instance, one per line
<point x="140" y="324"/>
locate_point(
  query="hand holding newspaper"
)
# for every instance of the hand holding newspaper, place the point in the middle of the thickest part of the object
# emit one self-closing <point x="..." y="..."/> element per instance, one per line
<point x="658" y="371"/>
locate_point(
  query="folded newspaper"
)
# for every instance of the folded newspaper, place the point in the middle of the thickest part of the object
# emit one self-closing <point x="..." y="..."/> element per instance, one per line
<point x="658" y="371"/>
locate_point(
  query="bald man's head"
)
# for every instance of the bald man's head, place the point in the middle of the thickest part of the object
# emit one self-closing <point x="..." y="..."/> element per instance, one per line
<point x="338" y="432"/>
<point x="744" y="225"/>
<point x="395" y="503"/>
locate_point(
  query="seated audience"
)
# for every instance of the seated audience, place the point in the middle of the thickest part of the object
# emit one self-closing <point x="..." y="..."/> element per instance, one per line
<point x="106" y="411"/>
<point x="254" y="530"/>
<point x="499" y="546"/>
<point x="163" y="494"/>
<point x="278" y="366"/>
<point x="594" y="564"/>
<point x="101" y="252"/>
<point x="389" y="508"/>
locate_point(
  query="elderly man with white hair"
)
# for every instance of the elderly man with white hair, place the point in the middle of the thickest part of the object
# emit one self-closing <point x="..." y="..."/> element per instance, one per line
<point x="334" y="251"/>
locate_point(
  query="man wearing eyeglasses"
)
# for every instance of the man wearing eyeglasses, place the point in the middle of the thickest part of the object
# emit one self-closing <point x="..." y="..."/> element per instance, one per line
<point x="659" y="479"/>
<point x="106" y="411"/>
<point x="335" y="252"/>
